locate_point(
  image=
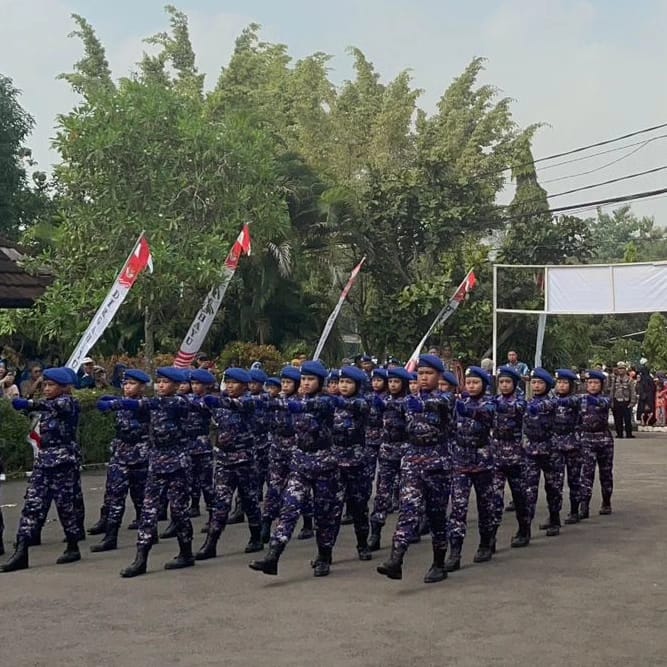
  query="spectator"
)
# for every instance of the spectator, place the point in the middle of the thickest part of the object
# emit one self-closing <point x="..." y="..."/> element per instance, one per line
<point x="623" y="398"/>
<point x="660" y="402"/>
<point x="117" y="377"/>
<point x="487" y="365"/>
<point x="646" y="391"/>
<point x="8" y="388"/>
<point x="31" y="387"/>
<point x="100" y="375"/>
<point x="87" y="374"/>
<point x="451" y="363"/>
<point x="518" y="366"/>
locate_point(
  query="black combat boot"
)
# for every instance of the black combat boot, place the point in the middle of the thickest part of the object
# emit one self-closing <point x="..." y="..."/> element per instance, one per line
<point x="71" y="554"/>
<point x="138" y="566"/>
<point x="322" y="565"/>
<point x="194" y="510"/>
<point x="484" y="552"/>
<point x="169" y="532"/>
<point x="306" y="532"/>
<point x="109" y="542"/>
<point x="209" y="548"/>
<point x="375" y="536"/>
<point x="269" y="564"/>
<point x="583" y="511"/>
<point x="522" y="538"/>
<point x="393" y="568"/>
<point x="437" y="571"/>
<point x="236" y="515"/>
<point x="255" y="543"/>
<point x="424" y="526"/>
<point x="35" y="539"/>
<point x="208" y="523"/>
<point x="347" y="518"/>
<point x="554" y="528"/>
<point x="100" y="527"/>
<point x="363" y="551"/>
<point x="266" y="531"/>
<point x="573" y="516"/>
<point x="134" y="524"/>
<point x="184" y="557"/>
<point x="510" y="507"/>
<point x="453" y="561"/>
<point x="606" y="502"/>
<point x="19" y="559"/>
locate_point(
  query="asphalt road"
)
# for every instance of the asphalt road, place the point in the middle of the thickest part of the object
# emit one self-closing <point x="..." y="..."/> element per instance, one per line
<point x="596" y="595"/>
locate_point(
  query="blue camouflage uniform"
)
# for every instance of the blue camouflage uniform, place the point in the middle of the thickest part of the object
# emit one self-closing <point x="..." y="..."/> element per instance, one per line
<point x="374" y="425"/>
<point x="260" y="424"/>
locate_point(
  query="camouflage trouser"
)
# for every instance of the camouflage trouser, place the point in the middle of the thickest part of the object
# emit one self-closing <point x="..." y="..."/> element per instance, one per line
<point x="262" y="466"/>
<point x="600" y="453"/>
<point x="389" y="471"/>
<point x="279" y="465"/>
<point x="485" y="493"/>
<point x="176" y="487"/>
<point x="79" y="506"/>
<point x="230" y="478"/>
<point x="46" y="484"/>
<point x="574" y="461"/>
<point x="303" y="487"/>
<point x="355" y="488"/>
<point x="202" y="479"/>
<point x="552" y="466"/>
<point x="514" y="475"/>
<point x="120" y="479"/>
<point x="423" y="489"/>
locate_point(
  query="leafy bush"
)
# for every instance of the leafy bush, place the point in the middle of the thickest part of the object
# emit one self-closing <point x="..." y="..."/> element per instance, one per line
<point x="243" y="354"/>
<point x="14" y="448"/>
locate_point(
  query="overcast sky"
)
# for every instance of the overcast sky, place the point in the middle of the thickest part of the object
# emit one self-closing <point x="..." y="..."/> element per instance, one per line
<point x="590" y="70"/>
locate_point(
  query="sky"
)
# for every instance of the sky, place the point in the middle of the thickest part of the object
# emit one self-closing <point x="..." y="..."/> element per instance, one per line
<point x="588" y="70"/>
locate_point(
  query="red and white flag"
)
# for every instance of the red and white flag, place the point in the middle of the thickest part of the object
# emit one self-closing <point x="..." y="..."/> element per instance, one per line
<point x="468" y="285"/>
<point x="201" y="325"/>
<point x="332" y="318"/>
<point x="140" y="259"/>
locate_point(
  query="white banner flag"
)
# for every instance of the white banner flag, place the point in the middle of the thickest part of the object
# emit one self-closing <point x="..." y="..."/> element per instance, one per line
<point x="199" y="328"/>
<point x="139" y="259"/>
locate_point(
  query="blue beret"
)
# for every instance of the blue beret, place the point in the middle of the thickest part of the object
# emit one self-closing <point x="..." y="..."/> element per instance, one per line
<point x="509" y="372"/>
<point x="334" y="375"/>
<point x="237" y="374"/>
<point x="477" y="372"/>
<point x="450" y="378"/>
<point x="542" y="374"/>
<point x="136" y="374"/>
<point x="314" y="367"/>
<point x="399" y="374"/>
<point x="431" y="361"/>
<point x="379" y="373"/>
<point x="366" y="357"/>
<point x="258" y="375"/>
<point x="353" y="373"/>
<point x="174" y="374"/>
<point x="291" y="373"/>
<point x="565" y="374"/>
<point x="73" y="375"/>
<point x="203" y="376"/>
<point x="595" y="375"/>
<point x="274" y="382"/>
<point x="61" y="375"/>
<point x="413" y="377"/>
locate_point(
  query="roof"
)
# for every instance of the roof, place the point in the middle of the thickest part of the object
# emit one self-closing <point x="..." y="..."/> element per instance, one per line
<point x="18" y="289"/>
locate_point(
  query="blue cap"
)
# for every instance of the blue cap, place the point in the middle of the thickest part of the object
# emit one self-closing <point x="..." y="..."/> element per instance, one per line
<point x="334" y="375"/>
<point x="431" y="361"/>
<point x="174" y="374"/>
<point x="61" y="375"/>
<point x="314" y="367"/>
<point x="379" y="373"/>
<point x="237" y="374"/>
<point x="413" y="376"/>
<point x="203" y="376"/>
<point x="136" y="374"/>
<point x="478" y="372"/>
<point x="399" y="373"/>
<point x="450" y="378"/>
<point x="73" y="375"/>
<point x="509" y="372"/>
<point x="542" y="374"/>
<point x="258" y="375"/>
<point x="565" y="374"/>
<point x="353" y="373"/>
<point x="366" y="358"/>
<point x="291" y="373"/>
<point x="273" y="382"/>
<point x="595" y="375"/>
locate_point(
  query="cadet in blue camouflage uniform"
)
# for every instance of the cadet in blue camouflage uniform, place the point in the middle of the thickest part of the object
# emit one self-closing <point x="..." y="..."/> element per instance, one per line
<point x="566" y="437"/>
<point x="55" y="469"/>
<point x="597" y="444"/>
<point x="128" y="465"/>
<point x="261" y="421"/>
<point x="235" y="470"/>
<point x="394" y="438"/>
<point x="280" y="454"/>
<point x="542" y="456"/>
<point x="168" y="468"/>
<point x="349" y="432"/>
<point x="425" y="472"/>
<point x="314" y="470"/>
<point x="374" y="422"/>
<point x="473" y="464"/>
<point x="508" y="450"/>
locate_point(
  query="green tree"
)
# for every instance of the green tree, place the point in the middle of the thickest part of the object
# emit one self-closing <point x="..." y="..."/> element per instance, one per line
<point x="655" y="342"/>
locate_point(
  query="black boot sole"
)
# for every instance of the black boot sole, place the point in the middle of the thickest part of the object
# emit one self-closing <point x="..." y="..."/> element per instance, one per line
<point x="254" y="547"/>
<point x="179" y="565"/>
<point x="127" y="573"/>
<point x="99" y="548"/>
<point x="260" y="566"/>
<point x="435" y="575"/>
<point x="64" y="560"/>
<point x="390" y="573"/>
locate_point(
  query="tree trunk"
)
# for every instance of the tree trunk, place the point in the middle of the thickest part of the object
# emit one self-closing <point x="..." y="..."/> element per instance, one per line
<point x="149" y="339"/>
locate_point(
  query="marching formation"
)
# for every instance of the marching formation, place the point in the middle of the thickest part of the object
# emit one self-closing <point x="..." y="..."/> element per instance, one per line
<point x="314" y="440"/>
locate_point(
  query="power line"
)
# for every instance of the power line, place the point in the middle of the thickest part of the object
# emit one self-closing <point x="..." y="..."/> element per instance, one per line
<point x="609" y="182"/>
<point x="611" y="200"/>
